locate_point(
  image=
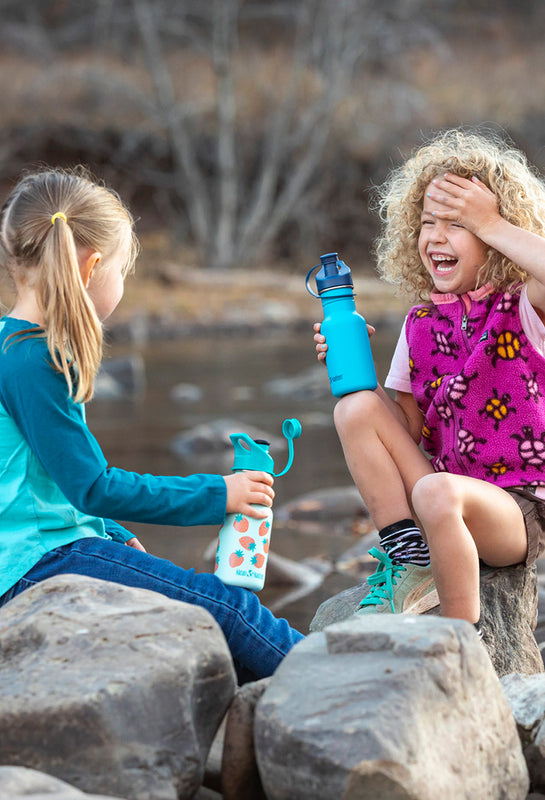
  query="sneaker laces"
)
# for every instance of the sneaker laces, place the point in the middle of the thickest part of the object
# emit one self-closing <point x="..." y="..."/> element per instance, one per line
<point x="382" y="581"/>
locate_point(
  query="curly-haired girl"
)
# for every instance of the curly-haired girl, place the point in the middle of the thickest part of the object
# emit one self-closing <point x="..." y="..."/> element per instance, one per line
<point x="463" y="230"/>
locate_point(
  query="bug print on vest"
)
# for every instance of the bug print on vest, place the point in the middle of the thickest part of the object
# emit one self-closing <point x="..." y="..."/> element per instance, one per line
<point x="458" y="388"/>
<point x="467" y="443"/>
<point x="431" y="386"/>
<point x="444" y="343"/>
<point x="498" y="469"/>
<point x="497" y="408"/>
<point x="531" y="448"/>
<point x="507" y="347"/>
<point x="532" y="387"/>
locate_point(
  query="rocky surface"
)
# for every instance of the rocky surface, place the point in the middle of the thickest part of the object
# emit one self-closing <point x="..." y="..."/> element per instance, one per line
<point x="526" y="697"/>
<point x="115" y="690"/>
<point x="17" y="782"/>
<point x="508" y="616"/>
<point x="391" y="707"/>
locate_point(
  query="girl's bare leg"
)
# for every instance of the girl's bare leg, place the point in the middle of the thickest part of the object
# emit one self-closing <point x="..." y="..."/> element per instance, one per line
<point x="383" y="459"/>
<point x="464" y="519"/>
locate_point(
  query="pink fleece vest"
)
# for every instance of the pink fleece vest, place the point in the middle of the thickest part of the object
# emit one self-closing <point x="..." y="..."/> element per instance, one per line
<point x="479" y="383"/>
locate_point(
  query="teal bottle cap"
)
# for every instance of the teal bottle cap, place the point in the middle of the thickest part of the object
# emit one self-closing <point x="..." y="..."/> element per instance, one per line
<point x="251" y="453"/>
<point x="254" y="453"/>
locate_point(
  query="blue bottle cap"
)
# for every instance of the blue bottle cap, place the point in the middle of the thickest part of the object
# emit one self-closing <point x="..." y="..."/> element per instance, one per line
<point x="333" y="274"/>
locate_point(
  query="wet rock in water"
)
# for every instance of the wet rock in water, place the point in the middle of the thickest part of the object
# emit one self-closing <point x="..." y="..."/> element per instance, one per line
<point x="16" y="782"/>
<point x="121" y="377"/>
<point x="186" y="393"/>
<point x="526" y="697"/>
<point x="389" y="707"/>
<point x="338" y="508"/>
<point x="311" y="384"/>
<point x="508" y="616"/>
<point x="113" y="689"/>
<point x="212" y="439"/>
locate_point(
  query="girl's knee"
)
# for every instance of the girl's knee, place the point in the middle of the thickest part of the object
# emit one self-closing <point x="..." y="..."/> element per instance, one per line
<point x="356" y="408"/>
<point x="435" y="494"/>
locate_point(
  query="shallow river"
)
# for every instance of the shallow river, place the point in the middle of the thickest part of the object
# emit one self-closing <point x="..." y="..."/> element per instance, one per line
<point x="232" y="373"/>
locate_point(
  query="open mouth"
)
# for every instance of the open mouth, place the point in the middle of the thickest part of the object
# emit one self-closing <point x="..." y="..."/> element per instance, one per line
<point x="443" y="264"/>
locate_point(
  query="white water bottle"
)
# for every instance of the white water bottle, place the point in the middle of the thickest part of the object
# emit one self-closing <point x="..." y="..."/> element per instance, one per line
<point x="243" y="547"/>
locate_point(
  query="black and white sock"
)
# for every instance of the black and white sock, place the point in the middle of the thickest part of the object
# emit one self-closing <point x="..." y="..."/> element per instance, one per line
<point x="404" y="543"/>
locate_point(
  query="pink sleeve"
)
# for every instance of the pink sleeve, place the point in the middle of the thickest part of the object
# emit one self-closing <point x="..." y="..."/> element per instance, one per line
<point x="398" y="377"/>
<point x="531" y="324"/>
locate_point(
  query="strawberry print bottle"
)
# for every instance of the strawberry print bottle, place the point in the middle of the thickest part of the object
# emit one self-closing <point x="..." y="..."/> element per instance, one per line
<point x="243" y="547"/>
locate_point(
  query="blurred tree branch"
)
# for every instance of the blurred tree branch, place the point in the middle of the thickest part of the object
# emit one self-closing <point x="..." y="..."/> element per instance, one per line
<point x="237" y="208"/>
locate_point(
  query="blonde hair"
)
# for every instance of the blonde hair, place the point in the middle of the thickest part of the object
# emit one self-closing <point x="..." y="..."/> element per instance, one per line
<point x="504" y="169"/>
<point x="87" y="215"/>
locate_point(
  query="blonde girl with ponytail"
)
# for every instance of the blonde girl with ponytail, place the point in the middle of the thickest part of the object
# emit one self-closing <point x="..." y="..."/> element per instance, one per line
<point x="68" y="243"/>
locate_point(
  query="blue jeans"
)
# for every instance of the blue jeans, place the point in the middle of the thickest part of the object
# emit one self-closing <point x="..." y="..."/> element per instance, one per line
<point x="258" y="641"/>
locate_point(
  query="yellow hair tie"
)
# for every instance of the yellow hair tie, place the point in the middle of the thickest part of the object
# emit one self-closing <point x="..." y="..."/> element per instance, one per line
<point x="58" y="215"/>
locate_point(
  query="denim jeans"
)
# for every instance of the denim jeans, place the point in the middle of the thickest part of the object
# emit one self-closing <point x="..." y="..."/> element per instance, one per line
<point x="257" y="639"/>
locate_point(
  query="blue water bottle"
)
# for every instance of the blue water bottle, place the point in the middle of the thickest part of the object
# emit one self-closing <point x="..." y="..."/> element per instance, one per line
<point x="349" y="358"/>
<point x="243" y="544"/>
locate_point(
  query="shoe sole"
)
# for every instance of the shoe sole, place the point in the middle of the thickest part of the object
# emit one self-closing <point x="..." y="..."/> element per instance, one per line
<point x="418" y="602"/>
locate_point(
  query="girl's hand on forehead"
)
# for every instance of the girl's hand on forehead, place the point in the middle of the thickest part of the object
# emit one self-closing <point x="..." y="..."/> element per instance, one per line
<point x="466" y="202"/>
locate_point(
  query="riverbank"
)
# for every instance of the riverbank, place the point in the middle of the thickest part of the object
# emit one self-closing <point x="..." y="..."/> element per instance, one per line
<point x="186" y="300"/>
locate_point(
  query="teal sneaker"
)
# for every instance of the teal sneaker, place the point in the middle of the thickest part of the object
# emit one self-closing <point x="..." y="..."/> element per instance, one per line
<point x="398" y="588"/>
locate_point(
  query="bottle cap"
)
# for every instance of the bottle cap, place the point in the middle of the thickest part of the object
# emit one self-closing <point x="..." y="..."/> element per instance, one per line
<point x="254" y="453"/>
<point x="333" y="274"/>
<point x="251" y="453"/>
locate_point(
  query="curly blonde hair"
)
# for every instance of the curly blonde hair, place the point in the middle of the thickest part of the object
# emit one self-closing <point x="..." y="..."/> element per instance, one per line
<point x="503" y="168"/>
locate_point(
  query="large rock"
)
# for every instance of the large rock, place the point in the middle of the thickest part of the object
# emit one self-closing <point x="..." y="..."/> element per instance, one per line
<point x="239" y="774"/>
<point x="390" y="707"/>
<point x="16" y="782"/>
<point x="508" y="616"/>
<point x="526" y="697"/>
<point x="113" y="689"/>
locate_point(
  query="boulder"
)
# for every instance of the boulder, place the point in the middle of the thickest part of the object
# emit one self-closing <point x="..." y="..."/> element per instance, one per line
<point x="508" y="616"/>
<point x="115" y="690"/>
<point x="526" y="697"/>
<point x="239" y="774"/>
<point x="16" y="782"/>
<point x="340" y="509"/>
<point x="121" y="377"/>
<point x="390" y="707"/>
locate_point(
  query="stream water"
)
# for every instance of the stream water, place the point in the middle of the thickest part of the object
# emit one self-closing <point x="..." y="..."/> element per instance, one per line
<point x="232" y="374"/>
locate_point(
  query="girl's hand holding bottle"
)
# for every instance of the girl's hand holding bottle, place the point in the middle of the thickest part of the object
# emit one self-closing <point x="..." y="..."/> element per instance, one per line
<point x="321" y="346"/>
<point x="245" y="490"/>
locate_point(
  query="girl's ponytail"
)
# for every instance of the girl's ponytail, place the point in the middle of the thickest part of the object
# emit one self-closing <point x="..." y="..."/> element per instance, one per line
<point x="47" y="224"/>
<point x="73" y="330"/>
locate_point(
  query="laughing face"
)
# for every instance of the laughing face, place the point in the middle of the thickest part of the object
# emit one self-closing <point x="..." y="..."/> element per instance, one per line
<point x="450" y="253"/>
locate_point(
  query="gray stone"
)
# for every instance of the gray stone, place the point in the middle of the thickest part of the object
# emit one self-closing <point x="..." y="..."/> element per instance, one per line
<point x="112" y="689"/>
<point x="339" y="508"/>
<point x="239" y="775"/>
<point x="508" y="616"/>
<point x="121" y="377"/>
<point x="526" y="697"/>
<point x="389" y="707"/>
<point x="18" y="782"/>
<point x="311" y="384"/>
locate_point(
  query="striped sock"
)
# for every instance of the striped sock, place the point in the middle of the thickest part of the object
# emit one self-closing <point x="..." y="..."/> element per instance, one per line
<point x="404" y="543"/>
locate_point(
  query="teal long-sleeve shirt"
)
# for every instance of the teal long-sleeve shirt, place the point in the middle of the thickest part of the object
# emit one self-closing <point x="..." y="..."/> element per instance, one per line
<point x="55" y="483"/>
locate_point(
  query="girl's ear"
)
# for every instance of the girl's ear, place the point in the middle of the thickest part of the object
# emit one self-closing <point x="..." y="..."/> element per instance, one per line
<point x="87" y="262"/>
